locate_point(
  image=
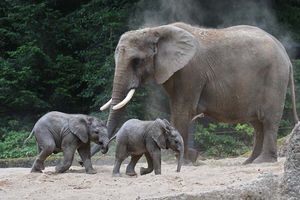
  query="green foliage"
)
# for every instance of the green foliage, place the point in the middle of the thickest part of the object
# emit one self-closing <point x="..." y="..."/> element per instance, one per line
<point x="12" y="146"/>
<point x="59" y="56"/>
<point x="285" y="127"/>
<point x="222" y="140"/>
<point x="21" y="79"/>
<point x="288" y="14"/>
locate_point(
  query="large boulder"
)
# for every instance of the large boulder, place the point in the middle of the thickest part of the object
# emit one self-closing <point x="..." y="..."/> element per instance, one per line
<point x="282" y="145"/>
<point x="290" y="185"/>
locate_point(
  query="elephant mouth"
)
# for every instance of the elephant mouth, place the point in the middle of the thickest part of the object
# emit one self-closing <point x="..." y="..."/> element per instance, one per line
<point x="103" y="147"/>
<point x="104" y="150"/>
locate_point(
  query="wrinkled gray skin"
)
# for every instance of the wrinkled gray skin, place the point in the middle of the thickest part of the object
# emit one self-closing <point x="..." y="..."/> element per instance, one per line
<point x="56" y="132"/>
<point x="235" y="75"/>
<point x="138" y="138"/>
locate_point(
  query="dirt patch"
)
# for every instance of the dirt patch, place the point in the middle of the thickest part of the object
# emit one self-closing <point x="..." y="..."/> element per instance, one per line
<point x="212" y="176"/>
<point x="4" y="183"/>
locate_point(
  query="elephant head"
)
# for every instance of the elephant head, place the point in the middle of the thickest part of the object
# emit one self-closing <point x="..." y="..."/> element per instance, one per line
<point x="169" y="137"/>
<point x="145" y="54"/>
<point x="90" y="128"/>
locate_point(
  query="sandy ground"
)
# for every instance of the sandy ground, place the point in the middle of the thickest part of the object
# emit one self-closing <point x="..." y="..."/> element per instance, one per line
<point x="18" y="183"/>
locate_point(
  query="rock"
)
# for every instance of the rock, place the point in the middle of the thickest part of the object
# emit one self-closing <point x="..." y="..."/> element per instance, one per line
<point x="265" y="187"/>
<point x="290" y="184"/>
<point x="282" y="145"/>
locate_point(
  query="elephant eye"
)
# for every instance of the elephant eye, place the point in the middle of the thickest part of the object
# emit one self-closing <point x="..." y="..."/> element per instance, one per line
<point x="135" y="63"/>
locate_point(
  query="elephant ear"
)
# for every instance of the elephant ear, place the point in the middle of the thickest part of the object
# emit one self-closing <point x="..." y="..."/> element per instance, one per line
<point x="167" y="123"/>
<point x="175" y="48"/>
<point x="158" y="134"/>
<point x="78" y="126"/>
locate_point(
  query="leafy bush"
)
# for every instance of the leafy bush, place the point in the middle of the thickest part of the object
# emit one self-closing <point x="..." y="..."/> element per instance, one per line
<point x="223" y="140"/>
<point x="13" y="123"/>
<point x="285" y="128"/>
<point x="12" y="145"/>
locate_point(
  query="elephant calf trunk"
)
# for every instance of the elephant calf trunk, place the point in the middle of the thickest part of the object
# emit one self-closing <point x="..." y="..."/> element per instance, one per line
<point x="180" y="160"/>
<point x="105" y="147"/>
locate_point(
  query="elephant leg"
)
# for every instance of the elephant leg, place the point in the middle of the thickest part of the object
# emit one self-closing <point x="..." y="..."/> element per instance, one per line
<point x="156" y="157"/>
<point x="95" y="149"/>
<point x="38" y="164"/>
<point x="120" y="156"/>
<point x="181" y="122"/>
<point x="68" y="153"/>
<point x="148" y="170"/>
<point x="130" y="167"/>
<point x="46" y="146"/>
<point x="117" y="165"/>
<point x="269" y="150"/>
<point x="258" y="141"/>
<point x="85" y="155"/>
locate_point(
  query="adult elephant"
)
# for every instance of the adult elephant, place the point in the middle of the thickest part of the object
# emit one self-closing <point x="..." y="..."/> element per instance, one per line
<point x="235" y="74"/>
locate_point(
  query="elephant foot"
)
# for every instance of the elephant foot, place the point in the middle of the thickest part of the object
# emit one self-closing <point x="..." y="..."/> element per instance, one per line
<point x="34" y="170"/>
<point x="264" y="158"/>
<point x="248" y="161"/>
<point x="38" y="166"/>
<point x="187" y="161"/>
<point x="116" y="175"/>
<point x="157" y="172"/>
<point x="192" y="155"/>
<point x="42" y="166"/>
<point x="144" y="171"/>
<point x="131" y="173"/>
<point x="60" y="169"/>
<point x="130" y="170"/>
<point x="91" y="171"/>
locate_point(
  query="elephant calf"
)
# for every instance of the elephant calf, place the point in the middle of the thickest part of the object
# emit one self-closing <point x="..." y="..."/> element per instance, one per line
<point x="56" y="132"/>
<point x="138" y="137"/>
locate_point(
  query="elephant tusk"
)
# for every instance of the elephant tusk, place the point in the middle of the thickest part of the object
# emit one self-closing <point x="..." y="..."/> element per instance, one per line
<point x="105" y="106"/>
<point x="197" y="116"/>
<point x="125" y="101"/>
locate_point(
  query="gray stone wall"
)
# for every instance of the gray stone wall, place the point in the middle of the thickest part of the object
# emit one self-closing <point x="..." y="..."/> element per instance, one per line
<point x="290" y="185"/>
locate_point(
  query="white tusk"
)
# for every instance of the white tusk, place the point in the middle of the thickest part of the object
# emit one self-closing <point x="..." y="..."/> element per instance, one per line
<point x="125" y="101"/>
<point x="200" y="115"/>
<point x="105" y="106"/>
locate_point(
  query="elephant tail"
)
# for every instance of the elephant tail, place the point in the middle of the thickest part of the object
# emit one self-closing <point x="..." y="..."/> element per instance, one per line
<point x="26" y="140"/>
<point x="292" y="86"/>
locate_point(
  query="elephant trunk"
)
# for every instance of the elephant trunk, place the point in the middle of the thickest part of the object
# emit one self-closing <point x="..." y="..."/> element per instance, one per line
<point x="113" y="121"/>
<point x="118" y="94"/>
<point x="180" y="159"/>
<point x="104" y="148"/>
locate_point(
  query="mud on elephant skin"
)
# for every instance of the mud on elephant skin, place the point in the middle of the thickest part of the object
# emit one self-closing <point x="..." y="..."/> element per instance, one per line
<point x="235" y="75"/>
<point x="55" y="132"/>
<point x="138" y="138"/>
